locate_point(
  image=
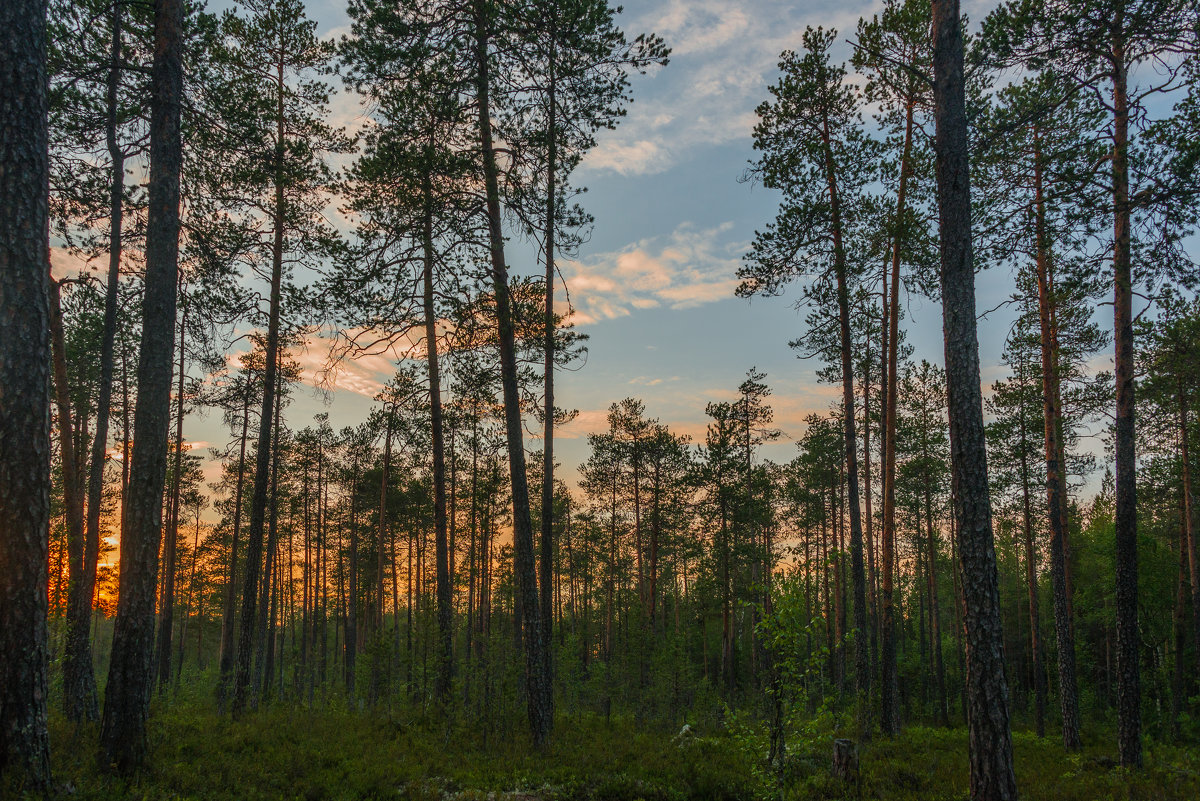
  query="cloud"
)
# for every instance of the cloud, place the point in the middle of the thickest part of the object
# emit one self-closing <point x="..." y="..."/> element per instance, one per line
<point x="324" y="363"/>
<point x="65" y="264"/>
<point x="640" y="157"/>
<point x="587" y="421"/>
<point x="689" y="267"/>
<point x="723" y="57"/>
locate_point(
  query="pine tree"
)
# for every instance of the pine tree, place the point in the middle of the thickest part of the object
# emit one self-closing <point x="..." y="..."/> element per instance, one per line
<point x="25" y="408"/>
<point x="1097" y="47"/>
<point x="989" y="732"/>
<point x="123" y="743"/>
<point x="815" y="152"/>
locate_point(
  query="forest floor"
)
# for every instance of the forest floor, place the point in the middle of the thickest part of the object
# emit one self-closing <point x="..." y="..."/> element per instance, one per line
<point x="329" y="752"/>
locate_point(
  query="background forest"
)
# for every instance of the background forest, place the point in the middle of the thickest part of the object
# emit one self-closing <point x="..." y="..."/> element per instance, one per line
<point x="986" y="585"/>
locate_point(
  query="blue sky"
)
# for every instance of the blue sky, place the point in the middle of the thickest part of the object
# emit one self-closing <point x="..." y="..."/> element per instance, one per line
<point x="654" y="286"/>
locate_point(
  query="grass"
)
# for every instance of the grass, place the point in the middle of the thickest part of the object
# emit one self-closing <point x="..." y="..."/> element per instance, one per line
<point x="328" y="753"/>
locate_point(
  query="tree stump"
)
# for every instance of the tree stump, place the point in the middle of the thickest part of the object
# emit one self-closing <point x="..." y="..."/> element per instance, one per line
<point x="845" y="760"/>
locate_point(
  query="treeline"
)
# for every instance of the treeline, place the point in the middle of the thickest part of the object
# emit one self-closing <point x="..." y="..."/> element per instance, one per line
<point x="898" y="569"/>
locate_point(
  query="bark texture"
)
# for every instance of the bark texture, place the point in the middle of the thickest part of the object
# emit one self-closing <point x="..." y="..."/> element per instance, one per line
<point x="989" y="733"/>
<point x="24" y="391"/>
<point x="127" y="698"/>
<point x="1129" y="692"/>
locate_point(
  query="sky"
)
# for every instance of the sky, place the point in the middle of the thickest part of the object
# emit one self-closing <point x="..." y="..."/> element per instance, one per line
<point x="653" y="288"/>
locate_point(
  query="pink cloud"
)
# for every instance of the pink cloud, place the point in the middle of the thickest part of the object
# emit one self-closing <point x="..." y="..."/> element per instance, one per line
<point x="687" y="268"/>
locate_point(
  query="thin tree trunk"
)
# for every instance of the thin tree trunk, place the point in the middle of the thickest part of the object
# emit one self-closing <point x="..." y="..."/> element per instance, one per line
<point x="1129" y="694"/>
<point x="79" y="678"/>
<point x="445" y="658"/>
<point x="868" y="517"/>
<point x="1056" y="496"/>
<point x="228" y="619"/>
<point x="934" y="615"/>
<point x="262" y="671"/>
<point x="166" y="609"/>
<point x="538" y="683"/>
<point x="380" y="537"/>
<point x="989" y="733"/>
<point x="187" y="607"/>
<point x="352" y="603"/>
<point x="547" y="545"/>
<point x="75" y="695"/>
<point x="127" y="695"/>
<point x="1035" y="636"/>
<point x="258" y="503"/>
<point x="1178" y="694"/>
<point x="862" y="657"/>
<point x="1189" y="517"/>
<point x="889" y="692"/>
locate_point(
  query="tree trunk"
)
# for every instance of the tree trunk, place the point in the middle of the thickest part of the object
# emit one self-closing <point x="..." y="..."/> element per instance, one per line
<point x="127" y="695"/>
<point x="1035" y="635"/>
<point x="547" y="544"/>
<point x="78" y="649"/>
<point x="24" y="392"/>
<point x="258" y="502"/>
<point x="166" y="607"/>
<point x="1189" y="517"/>
<point x="868" y="517"/>
<point x="538" y="683"/>
<point x="187" y="607"/>
<point x="262" y="671"/>
<point x="1129" y="694"/>
<point x="1179" y="627"/>
<point x="935" y="634"/>
<point x="228" y="619"/>
<point x="352" y="604"/>
<point x="1056" y="496"/>
<point x="445" y="658"/>
<point x="862" y="657"/>
<point x="989" y="734"/>
<point x="79" y="678"/>
<point x="889" y="692"/>
<point x="380" y="536"/>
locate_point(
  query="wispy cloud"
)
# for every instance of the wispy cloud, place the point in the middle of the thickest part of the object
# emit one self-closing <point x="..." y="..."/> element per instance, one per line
<point x="723" y="57"/>
<point x="587" y="421"/>
<point x="65" y="264"/>
<point x="689" y="267"/>
<point x="325" y="364"/>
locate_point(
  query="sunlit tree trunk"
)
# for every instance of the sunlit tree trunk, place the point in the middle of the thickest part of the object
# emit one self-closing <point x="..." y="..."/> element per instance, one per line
<point x="1056" y="496"/>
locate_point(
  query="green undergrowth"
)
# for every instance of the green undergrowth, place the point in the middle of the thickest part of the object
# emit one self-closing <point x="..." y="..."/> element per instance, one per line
<point x="928" y="763"/>
<point x="329" y="752"/>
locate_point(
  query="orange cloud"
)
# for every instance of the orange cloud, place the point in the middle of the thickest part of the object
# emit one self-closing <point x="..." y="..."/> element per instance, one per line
<point x="689" y="267"/>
